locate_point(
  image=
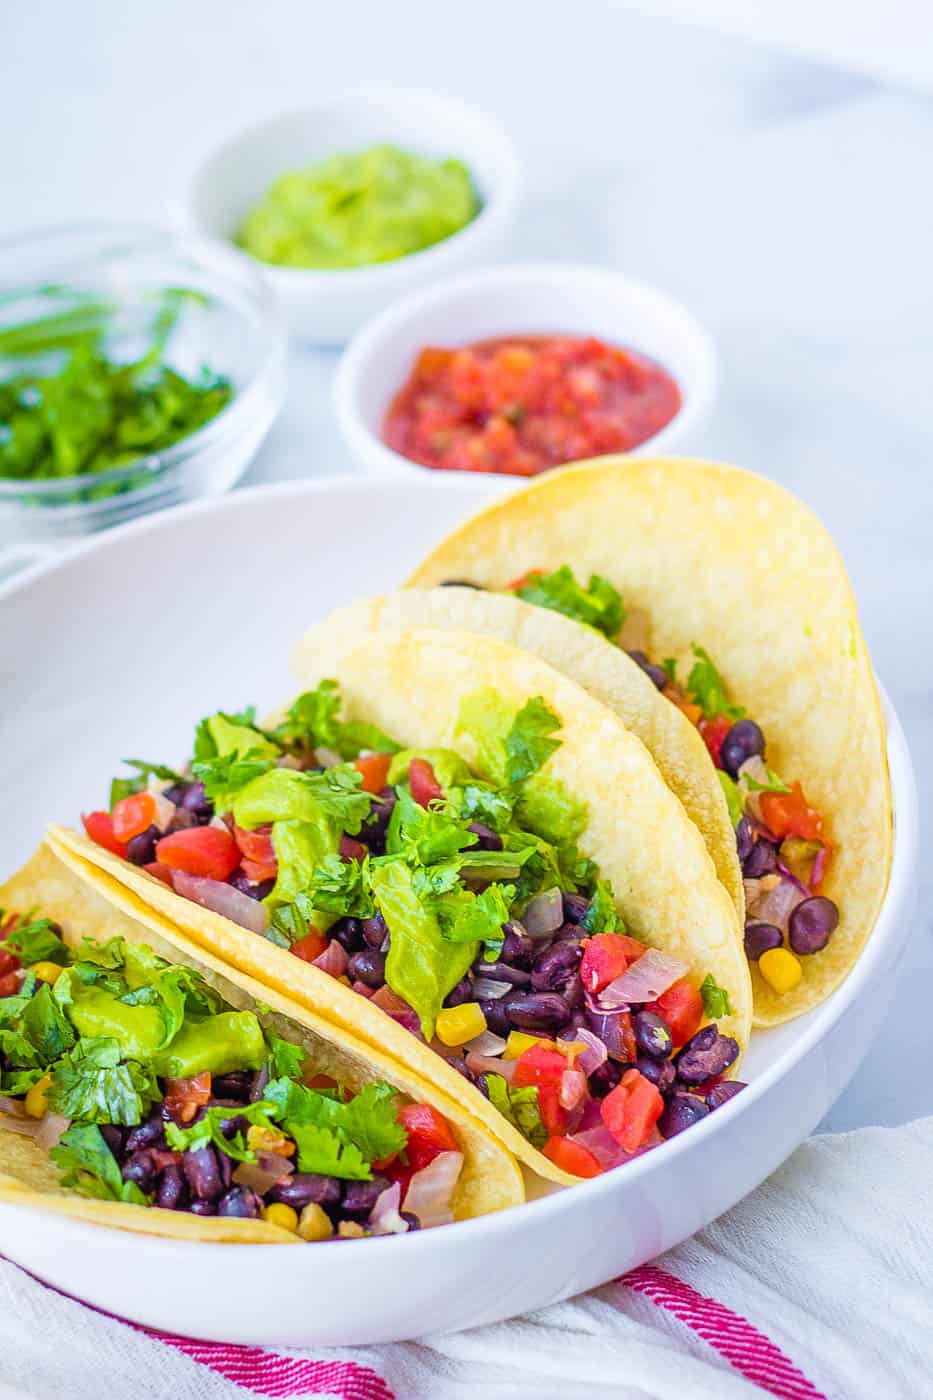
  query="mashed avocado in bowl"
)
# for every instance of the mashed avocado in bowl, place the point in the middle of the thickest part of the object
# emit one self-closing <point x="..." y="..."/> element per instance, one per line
<point x="355" y="209"/>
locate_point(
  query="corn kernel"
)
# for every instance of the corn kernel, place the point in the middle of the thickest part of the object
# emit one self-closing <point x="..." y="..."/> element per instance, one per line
<point x="314" y="1223"/>
<point x="517" y="1043"/>
<point x="350" y="1230"/>
<point x="457" y="1024"/>
<point x="36" y="1101"/>
<point x="284" y="1216"/>
<point x="780" y="969"/>
<point x="47" y="971"/>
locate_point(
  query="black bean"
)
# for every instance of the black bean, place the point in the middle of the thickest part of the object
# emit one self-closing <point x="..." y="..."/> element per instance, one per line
<point x="348" y="933"/>
<point x="575" y="908"/>
<point x="744" y="839"/>
<point x="537" y="1011"/>
<point x="761" y="860"/>
<point x="195" y="801"/>
<point x="171" y="1194"/>
<point x="151" y="1133"/>
<point x="551" y="968"/>
<point x="140" y="1168"/>
<point x="174" y="792"/>
<point x="655" y="673"/>
<point x="258" y="1084"/>
<point x="141" y="849"/>
<point x="240" y="882"/>
<point x="374" y="931"/>
<point x="482" y="1083"/>
<point x="604" y="1078"/>
<point x="305" y="1189"/>
<point x="367" y="966"/>
<point x="652" y="1035"/>
<point x="706" y="1055"/>
<point x="374" y="829"/>
<point x="682" y="1111"/>
<point x="570" y="932"/>
<point x="489" y="840"/>
<point x="573" y="994"/>
<point x="517" y="949"/>
<point x="359" y="1197"/>
<point x="744" y="740"/>
<point x="811" y="924"/>
<point x="235" y="1085"/>
<point x="502" y="972"/>
<point x="760" y="938"/>
<point x="661" y="1072"/>
<point x="411" y="1220"/>
<point x="721" y="1093"/>
<point x="496" y="1013"/>
<point x="114" y="1137"/>
<point x="202" y="1173"/>
<point x="240" y="1202"/>
<point x="461" y="993"/>
<point x="577" y="1019"/>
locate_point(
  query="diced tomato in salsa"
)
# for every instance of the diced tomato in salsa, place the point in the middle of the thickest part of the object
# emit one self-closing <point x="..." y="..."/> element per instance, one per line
<point x="681" y="1006"/>
<point x="571" y="1157"/>
<point x="521" y="404"/>
<point x="605" y="957"/>
<point x="200" y="850"/>
<point x="631" y="1110"/>
<point x="539" y="1064"/>
<point x="374" y="768"/>
<point x="789" y="814"/>
<point x="133" y="815"/>
<point x="429" y="1135"/>
<point x="99" y="826"/>
<point x="310" y="947"/>
<point x="424" y="785"/>
<point x="183" y="1097"/>
<point x="714" y="731"/>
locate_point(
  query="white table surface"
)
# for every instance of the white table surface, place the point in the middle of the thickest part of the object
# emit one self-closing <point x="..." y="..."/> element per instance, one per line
<point x="786" y="202"/>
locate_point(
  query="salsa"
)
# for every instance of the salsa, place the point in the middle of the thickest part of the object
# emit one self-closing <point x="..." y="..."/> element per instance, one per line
<point x="518" y="405"/>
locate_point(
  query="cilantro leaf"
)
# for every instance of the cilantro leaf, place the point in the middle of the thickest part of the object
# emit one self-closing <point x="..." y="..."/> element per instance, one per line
<point x="224" y="775"/>
<point x="368" y="1121"/>
<point x="669" y="667"/>
<point x="145" y="771"/>
<point x="286" y="1059"/>
<point x="707" y="689"/>
<point x="602" y="916"/>
<point x="772" y="782"/>
<point x="313" y="721"/>
<point x="326" y="1152"/>
<point x="716" y="1001"/>
<point x="425" y="835"/>
<point x="46" y="1026"/>
<point x="208" y="1130"/>
<point x="341" y="887"/>
<point x="480" y="918"/>
<point x="732" y="795"/>
<point x="37" y="941"/>
<point x="598" y="604"/>
<point x="18" y="1050"/>
<point x="333" y="797"/>
<point x="520" y="1107"/>
<point x="90" y="1083"/>
<point x="477" y="801"/>
<point x="527" y="746"/>
<point x="90" y="1168"/>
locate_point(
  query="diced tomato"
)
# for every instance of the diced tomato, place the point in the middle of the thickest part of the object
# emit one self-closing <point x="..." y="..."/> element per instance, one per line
<point x="553" y="1114"/>
<point x="352" y="850"/>
<point x="631" y="1110"/>
<point x="99" y="826"/>
<point x="256" y="845"/>
<point x="200" y="850"/>
<point x="374" y="768"/>
<point x="9" y="984"/>
<point x="789" y="814"/>
<point x="424" y="786"/>
<point x="428" y="1132"/>
<point x="183" y="1097"/>
<point x="606" y="956"/>
<point x="571" y="1157"/>
<point x="714" y="731"/>
<point x="257" y="871"/>
<point x="8" y="962"/>
<point x="322" y="1081"/>
<point x="674" y="693"/>
<point x="539" y="1064"/>
<point x="161" y="872"/>
<point x="310" y="947"/>
<point x="682" y="1008"/>
<point x="133" y="815"/>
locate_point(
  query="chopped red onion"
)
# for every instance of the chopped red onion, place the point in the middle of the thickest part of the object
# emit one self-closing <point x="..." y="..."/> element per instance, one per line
<point x="603" y="1146"/>
<point x="572" y="1088"/>
<point x="51" y="1127"/>
<point x="595" y="1053"/>
<point x="218" y="823"/>
<point x="333" y="960"/>
<point x="267" y="1171"/>
<point x="489" y="1064"/>
<point x="362" y="990"/>
<point x="165" y="810"/>
<point x="595" y="1005"/>
<point x="487" y="1044"/>
<point x="545" y="914"/>
<point x="431" y="1189"/>
<point x="327" y="758"/>
<point x="389" y="1001"/>
<point x="385" y="1217"/>
<point x="14" y="1107"/>
<point x="490" y="988"/>
<point x="644" y="980"/>
<point x="773" y="901"/>
<point x="607" y="1025"/>
<point x="222" y="899"/>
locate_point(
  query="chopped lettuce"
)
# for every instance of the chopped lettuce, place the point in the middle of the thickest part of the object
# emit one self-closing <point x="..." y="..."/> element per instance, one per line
<point x="716" y="1001"/>
<point x="313" y="721"/>
<point x="449" y="768"/>
<point x="46" y="1026"/>
<point x="36" y="941"/>
<point x="602" y="915"/>
<point x="209" y="1130"/>
<point x="520" y="1107"/>
<point x="597" y="605"/>
<point x="341" y="887"/>
<point x="527" y="745"/>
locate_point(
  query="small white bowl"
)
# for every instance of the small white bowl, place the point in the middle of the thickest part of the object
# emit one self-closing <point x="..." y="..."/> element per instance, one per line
<point x="328" y="306"/>
<point x="524" y="298"/>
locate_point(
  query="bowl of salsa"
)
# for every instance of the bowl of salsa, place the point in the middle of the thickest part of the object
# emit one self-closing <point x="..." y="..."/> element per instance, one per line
<point x="356" y="199"/>
<point x="515" y="370"/>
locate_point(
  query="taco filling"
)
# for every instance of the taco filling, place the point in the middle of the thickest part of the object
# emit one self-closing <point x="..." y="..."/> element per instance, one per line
<point x="460" y="906"/>
<point x="781" y="841"/>
<point x="146" y="1087"/>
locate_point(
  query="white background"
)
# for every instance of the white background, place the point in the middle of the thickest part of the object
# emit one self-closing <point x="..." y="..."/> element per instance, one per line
<point x="787" y="201"/>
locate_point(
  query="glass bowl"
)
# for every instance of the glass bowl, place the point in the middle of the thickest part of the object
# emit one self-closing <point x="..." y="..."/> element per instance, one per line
<point x="232" y="325"/>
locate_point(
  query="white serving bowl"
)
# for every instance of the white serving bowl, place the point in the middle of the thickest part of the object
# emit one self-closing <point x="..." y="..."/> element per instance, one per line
<point x="223" y="645"/>
<point x="520" y="299"/>
<point x="328" y="306"/>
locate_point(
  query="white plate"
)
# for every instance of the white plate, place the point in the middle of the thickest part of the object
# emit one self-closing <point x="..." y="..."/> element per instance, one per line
<point x="116" y="650"/>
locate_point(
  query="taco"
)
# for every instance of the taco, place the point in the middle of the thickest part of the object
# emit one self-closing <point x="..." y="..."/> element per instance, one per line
<point x="728" y="595"/>
<point x="453" y="852"/>
<point x="145" y="1086"/>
